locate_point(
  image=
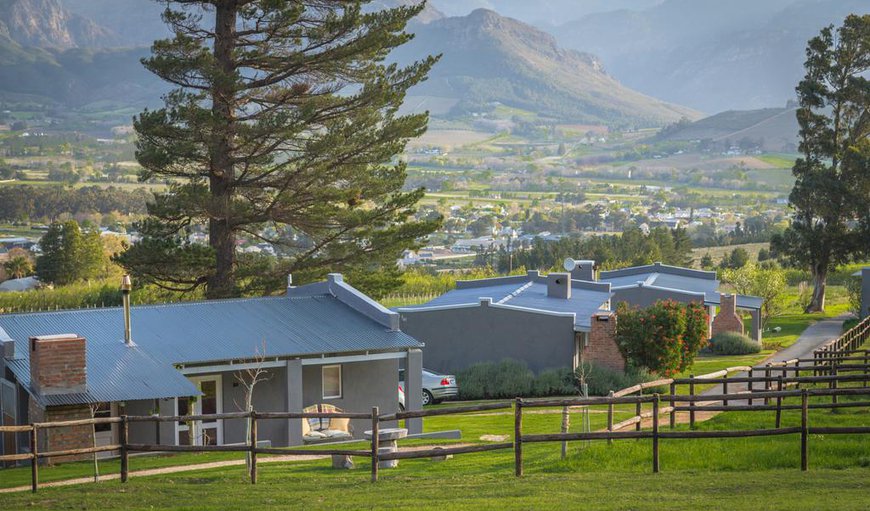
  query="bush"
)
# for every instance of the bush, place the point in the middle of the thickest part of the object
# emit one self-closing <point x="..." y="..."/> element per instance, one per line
<point x="602" y="379"/>
<point x="555" y="382"/>
<point x="512" y="378"/>
<point x="663" y="338"/>
<point x="732" y="343"/>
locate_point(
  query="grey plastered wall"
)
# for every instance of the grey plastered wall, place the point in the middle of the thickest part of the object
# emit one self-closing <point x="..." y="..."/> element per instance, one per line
<point x="162" y="433"/>
<point x="644" y="296"/>
<point x="364" y="385"/>
<point x="269" y="396"/>
<point x="456" y="338"/>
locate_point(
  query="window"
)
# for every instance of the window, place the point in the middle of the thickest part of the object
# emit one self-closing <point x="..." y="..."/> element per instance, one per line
<point x="102" y="411"/>
<point x="331" y="382"/>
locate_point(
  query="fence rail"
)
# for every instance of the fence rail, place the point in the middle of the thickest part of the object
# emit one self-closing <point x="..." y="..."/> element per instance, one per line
<point x="826" y="366"/>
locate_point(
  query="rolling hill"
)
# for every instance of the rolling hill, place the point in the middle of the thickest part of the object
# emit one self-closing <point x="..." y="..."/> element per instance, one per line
<point x="774" y="129"/>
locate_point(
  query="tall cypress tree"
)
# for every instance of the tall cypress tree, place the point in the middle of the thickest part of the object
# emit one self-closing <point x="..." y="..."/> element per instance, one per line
<point x="831" y="195"/>
<point x="283" y="127"/>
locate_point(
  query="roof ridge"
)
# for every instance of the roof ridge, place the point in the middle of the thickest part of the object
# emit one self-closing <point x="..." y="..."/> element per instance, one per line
<point x="164" y="304"/>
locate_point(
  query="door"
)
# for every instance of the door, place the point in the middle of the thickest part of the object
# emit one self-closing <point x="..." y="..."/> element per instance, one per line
<point x="210" y="402"/>
<point x="8" y="415"/>
<point x="106" y="434"/>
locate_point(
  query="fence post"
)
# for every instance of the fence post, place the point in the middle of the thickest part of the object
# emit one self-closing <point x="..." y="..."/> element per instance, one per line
<point x="804" y="430"/>
<point x="655" y="437"/>
<point x="34" y="464"/>
<point x="692" y="401"/>
<point x="518" y="437"/>
<point x="833" y="384"/>
<point x="767" y="386"/>
<point x="725" y="389"/>
<point x="610" y="417"/>
<point x="673" y="414"/>
<point x="779" y="402"/>
<point x="866" y="368"/>
<point x="124" y="437"/>
<point x="749" y="385"/>
<point x="254" y="447"/>
<point x="375" y="444"/>
<point x="566" y="418"/>
<point x="638" y="409"/>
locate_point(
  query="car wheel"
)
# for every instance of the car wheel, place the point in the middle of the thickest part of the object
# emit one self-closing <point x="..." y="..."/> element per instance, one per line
<point x="427" y="398"/>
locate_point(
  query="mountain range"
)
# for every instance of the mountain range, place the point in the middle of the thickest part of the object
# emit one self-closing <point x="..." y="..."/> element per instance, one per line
<point x="76" y="52"/>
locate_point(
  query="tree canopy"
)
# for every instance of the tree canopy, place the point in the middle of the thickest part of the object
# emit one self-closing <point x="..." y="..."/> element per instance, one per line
<point x="831" y="194"/>
<point x="70" y="254"/>
<point x="284" y="127"/>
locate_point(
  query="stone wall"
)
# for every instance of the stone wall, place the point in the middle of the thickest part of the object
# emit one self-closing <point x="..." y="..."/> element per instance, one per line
<point x="61" y="439"/>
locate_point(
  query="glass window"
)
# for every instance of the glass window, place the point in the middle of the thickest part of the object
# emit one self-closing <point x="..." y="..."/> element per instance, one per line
<point x="209" y="397"/>
<point x="331" y="382"/>
<point x="102" y="411"/>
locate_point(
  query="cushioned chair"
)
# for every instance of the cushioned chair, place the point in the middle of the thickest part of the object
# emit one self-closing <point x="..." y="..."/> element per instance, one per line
<point x="326" y="429"/>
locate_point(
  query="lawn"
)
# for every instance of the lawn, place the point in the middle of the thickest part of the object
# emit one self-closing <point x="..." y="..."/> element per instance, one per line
<point x="753" y="473"/>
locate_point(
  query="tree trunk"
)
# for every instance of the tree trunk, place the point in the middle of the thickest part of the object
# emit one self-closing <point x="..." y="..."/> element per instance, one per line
<point x="820" y="280"/>
<point x="222" y="238"/>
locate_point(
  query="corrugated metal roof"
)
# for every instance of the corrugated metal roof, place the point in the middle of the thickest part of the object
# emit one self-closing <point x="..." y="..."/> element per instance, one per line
<point x="530" y="294"/>
<point x="200" y="332"/>
<point x="710" y="288"/>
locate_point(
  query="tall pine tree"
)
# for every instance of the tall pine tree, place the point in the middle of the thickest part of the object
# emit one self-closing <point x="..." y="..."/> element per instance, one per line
<point x="283" y="127"/>
<point x="831" y="196"/>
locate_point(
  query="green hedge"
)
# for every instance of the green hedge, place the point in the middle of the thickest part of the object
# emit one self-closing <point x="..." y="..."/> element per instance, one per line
<point x="732" y="343"/>
<point x="512" y="378"/>
<point x="601" y="379"/>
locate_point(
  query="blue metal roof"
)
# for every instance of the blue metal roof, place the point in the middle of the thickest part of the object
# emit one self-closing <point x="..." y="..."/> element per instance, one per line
<point x="528" y="293"/>
<point x="200" y="332"/>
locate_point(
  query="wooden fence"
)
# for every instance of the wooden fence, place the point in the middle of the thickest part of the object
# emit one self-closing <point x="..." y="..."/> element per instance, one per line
<point x="834" y="363"/>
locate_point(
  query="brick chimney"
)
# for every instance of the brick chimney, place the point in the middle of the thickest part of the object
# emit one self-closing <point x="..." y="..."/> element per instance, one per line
<point x="559" y="285"/>
<point x="57" y="364"/>
<point x="601" y="347"/>
<point x="727" y="320"/>
<point x="583" y="270"/>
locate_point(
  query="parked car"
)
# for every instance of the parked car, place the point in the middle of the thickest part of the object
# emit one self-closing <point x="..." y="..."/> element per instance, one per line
<point x="436" y="387"/>
<point x="401" y="399"/>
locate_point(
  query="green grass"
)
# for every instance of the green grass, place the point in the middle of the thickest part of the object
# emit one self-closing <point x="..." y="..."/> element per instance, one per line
<point x="753" y="473"/>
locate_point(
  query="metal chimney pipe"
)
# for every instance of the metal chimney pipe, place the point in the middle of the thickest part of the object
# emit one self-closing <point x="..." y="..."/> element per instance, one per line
<point x="126" y="287"/>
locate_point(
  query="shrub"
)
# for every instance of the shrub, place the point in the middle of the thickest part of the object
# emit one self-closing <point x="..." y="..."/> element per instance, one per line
<point x="733" y="343"/>
<point x="490" y="380"/>
<point x="555" y="382"/>
<point x="664" y="338"/>
<point x="512" y="378"/>
<point x="602" y="379"/>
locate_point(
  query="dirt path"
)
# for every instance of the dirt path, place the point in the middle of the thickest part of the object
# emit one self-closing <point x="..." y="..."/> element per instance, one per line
<point x="197" y="466"/>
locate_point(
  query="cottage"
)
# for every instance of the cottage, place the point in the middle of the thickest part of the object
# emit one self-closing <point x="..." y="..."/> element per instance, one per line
<point x="644" y="285"/>
<point x="547" y="321"/>
<point x="323" y="343"/>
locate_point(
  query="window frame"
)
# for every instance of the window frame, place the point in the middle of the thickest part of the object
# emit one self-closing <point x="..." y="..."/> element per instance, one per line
<point x="323" y="370"/>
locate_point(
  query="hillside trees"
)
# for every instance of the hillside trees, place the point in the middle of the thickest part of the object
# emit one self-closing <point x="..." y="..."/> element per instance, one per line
<point x="70" y="254"/>
<point x="831" y="194"/>
<point x="284" y="119"/>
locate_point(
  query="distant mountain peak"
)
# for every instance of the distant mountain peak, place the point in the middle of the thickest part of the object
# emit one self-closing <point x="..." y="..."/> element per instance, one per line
<point x="47" y="24"/>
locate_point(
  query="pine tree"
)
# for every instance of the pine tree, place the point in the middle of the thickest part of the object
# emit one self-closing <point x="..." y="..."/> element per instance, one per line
<point x="69" y="254"/>
<point x="283" y="128"/>
<point x="831" y="194"/>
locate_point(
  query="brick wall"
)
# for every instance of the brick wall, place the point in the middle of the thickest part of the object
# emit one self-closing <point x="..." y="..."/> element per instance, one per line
<point x="727" y="320"/>
<point x="60" y="439"/>
<point x="602" y="348"/>
<point x="57" y="364"/>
